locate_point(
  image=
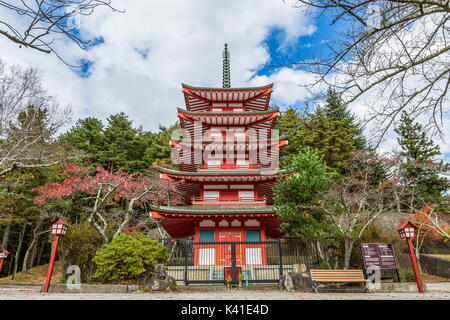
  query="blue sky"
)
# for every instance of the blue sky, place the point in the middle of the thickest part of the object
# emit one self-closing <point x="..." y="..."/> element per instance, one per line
<point x="137" y="60"/>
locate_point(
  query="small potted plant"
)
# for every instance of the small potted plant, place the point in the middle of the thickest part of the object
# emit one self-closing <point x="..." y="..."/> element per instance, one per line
<point x="228" y="282"/>
<point x="240" y="279"/>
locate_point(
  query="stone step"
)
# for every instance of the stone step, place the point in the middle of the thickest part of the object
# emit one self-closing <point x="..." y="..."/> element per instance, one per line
<point x="19" y="288"/>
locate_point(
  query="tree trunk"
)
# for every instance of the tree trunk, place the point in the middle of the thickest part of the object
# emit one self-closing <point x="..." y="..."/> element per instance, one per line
<point x="397" y="202"/>
<point x="19" y="247"/>
<point x="319" y="251"/>
<point x="41" y="250"/>
<point x="34" y="254"/>
<point x="348" y="246"/>
<point x="10" y="263"/>
<point x="6" y="236"/>
<point x="31" y="247"/>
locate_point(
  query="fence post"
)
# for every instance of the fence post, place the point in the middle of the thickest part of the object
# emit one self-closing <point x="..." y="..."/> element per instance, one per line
<point x="280" y="257"/>
<point x="233" y="264"/>
<point x="185" y="251"/>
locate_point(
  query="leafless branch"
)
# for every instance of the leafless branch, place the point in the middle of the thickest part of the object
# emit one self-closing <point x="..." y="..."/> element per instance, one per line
<point x="393" y="56"/>
<point x="43" y="21"/>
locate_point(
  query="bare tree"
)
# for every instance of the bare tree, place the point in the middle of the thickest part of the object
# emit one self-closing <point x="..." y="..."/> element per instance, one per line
<point x="29" y="119"/>
<point x="41" y="21"/>
<point x="353" y="203"/>
<point x="396" y="53"/>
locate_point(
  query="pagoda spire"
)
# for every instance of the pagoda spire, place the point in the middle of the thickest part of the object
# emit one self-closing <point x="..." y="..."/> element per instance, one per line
<point x="226" y="68"/>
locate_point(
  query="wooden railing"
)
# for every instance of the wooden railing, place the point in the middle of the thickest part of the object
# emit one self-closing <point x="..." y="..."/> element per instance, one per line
<point x="239" y="200"/>
<point x="231" y="166"/>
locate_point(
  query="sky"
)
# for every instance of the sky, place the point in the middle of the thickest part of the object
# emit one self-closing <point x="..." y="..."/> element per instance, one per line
<point x="138" y="59"/>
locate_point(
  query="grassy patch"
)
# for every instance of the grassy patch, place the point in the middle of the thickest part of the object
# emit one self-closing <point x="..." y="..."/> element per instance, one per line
<point x="440" y="256"/>
<point x="36" y="275"/>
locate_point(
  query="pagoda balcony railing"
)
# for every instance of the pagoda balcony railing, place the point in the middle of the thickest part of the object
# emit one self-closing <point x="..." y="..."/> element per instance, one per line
<point x="244" y="138"/>
<point x="225" y="166"/>
<point x="234" y="200"/>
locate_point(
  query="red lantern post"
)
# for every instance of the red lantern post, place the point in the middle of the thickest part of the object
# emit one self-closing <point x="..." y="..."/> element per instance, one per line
<point x="3" y="255"/>
<point x="59" y="227"/>
<point x="407" y="231"/>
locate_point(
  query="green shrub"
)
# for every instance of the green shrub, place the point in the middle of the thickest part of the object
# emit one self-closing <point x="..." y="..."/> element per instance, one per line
<point x="407" y="275"/>
<point x="174" y="287"/>
<point x="78" y="247"/>
<point x="127" y="257"/>
<point x="323" y="265"/>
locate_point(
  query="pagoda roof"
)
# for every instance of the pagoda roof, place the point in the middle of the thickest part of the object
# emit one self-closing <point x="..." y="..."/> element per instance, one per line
<point x="228" y="118"/>
<point x="230" y="140"/>
<point x="179" y="221"/>
<point x="212" y="209"/>
<point x="201" y="98"/>
<point x="184" y="85"/>
<point x="236" y="173"/>
<point x="230" y="144"/>
<point x="222" y="176"/>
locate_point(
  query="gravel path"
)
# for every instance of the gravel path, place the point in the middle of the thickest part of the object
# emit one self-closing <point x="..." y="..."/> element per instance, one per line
<point x="437" y="291"/>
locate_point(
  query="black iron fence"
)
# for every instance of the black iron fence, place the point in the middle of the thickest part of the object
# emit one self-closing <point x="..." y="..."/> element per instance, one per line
<point x="251" y="262"/>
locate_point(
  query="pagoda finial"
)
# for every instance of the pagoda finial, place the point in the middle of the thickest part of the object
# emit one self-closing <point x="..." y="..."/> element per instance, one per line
<point x="226" y="68"/>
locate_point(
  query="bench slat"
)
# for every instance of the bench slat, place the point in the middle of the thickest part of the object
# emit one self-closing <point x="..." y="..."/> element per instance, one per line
<point x="325" y="275"/>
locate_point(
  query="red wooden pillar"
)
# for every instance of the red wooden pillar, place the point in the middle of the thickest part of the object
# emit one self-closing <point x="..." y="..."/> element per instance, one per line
<point x="414" y="263"/>
<point x="59" y="227"/>
<point x="52" y="261"/>
<point x="407" y="231"/>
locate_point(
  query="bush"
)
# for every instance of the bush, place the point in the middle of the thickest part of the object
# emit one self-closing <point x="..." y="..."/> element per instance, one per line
<point x="407" y="275"/>
<point x="174" y="287"/>
<point x="127" y="257"/>
<point x="78" y="247"/>
<point x="323" y="265"/>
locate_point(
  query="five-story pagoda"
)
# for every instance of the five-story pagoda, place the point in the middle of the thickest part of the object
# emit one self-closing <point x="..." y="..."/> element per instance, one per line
<point x="228" y="160"/>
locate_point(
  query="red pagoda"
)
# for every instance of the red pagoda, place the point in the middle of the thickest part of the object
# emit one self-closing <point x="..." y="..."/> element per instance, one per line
<point x="228" y="165"/>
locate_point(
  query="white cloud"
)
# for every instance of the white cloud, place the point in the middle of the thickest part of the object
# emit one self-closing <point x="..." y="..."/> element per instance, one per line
<point x="183" y="41"/>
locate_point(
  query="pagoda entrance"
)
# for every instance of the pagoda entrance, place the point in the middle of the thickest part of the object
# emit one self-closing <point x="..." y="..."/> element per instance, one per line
<point x="225" y="246"/>
<point x="227" y="254"/>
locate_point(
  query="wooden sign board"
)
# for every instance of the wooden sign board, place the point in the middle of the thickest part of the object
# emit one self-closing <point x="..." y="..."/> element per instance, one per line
<point x="378" y="256"/>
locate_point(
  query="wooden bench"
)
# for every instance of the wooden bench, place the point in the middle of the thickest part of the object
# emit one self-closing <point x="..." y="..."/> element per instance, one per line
<point x="336" y="276"/>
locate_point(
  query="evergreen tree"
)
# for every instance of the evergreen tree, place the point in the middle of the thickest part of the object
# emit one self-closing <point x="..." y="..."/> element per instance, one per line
<point x="288" y="123"/>
<point x="160" y="150"/>
<point x="118" y="144"/>
<point x="423" y="169"/>
<point x="335" y="109"/>
<point x="86" y="135"/>
<point x="123" y="147"/>
<point x="333" y="140"/>
<point x="296" y="196"/>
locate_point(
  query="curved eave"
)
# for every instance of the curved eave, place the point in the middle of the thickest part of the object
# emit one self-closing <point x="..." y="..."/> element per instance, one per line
<point x="202" y="98"/>
<point x="214" y="209"/>
<point x="206" y="141"/>
<point x="216" y="174"/>
<point x="197" y="143"/>
<point x="233" y="114"/>
<point x="240" y="119"/>
<point x="227" y="89"/>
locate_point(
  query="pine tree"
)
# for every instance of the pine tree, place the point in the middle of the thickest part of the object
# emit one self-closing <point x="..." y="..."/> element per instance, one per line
<point x="335" y="109"/>
<point x="118" y="144"/>
<point x="423" y="169"/>
<point x="160" y="150"/>
<point x="86" y="135"/>
<point x="296" y="196"/>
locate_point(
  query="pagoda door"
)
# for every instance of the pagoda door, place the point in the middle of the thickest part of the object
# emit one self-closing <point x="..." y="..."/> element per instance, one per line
<point x="225" y="250"/>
